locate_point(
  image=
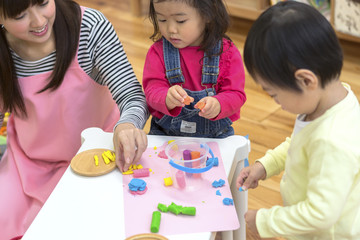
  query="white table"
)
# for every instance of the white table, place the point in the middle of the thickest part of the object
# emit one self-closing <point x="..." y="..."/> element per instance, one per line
<point x="91" y="208"/>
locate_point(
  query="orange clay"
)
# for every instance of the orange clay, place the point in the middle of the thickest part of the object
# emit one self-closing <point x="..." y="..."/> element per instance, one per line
<point x="200" y="105"/>
<point x="3" y="130"/>
<point x="188" y="100"/>
<point x="195" y="155"/>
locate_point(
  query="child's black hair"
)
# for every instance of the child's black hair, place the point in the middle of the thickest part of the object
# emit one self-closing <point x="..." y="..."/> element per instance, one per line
<point x="290" y="36"/>
<point x="213" y="11"/>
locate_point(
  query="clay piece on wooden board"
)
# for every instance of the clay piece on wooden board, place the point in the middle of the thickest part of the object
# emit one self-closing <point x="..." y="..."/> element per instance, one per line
<point x="84" y="163"/>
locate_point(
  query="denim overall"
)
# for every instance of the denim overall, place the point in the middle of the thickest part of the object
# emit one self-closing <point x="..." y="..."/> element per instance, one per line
<point x="188" y="122"/>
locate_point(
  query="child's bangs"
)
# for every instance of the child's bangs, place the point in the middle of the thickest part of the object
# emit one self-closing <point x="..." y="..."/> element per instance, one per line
<point x="12" y="8"/>
<point x="188" y="2"/>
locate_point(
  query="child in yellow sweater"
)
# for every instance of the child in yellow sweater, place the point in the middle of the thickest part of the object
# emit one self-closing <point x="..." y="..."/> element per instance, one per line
<point x="293" y="53"/>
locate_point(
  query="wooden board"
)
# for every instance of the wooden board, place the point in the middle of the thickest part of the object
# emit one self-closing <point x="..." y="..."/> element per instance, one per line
<point x="147" y="236"/>
<point x="84" y="164"/>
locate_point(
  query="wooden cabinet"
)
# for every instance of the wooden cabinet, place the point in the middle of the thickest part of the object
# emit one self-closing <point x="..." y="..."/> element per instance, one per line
<point x="135" y="7"/>
<point x="345" y="25"/>
<point x="249" y="9"/>
<point x="345" y="18"/>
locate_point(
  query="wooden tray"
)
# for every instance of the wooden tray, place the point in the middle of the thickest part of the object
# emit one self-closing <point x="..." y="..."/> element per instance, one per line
<point x="147" y="236"/>
<point x="84" y="164"/>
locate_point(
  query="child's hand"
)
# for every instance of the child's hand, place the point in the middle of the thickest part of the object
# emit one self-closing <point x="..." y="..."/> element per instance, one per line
<point x="249" y="177"/>
<point x="250" y="219"/>
<point x="211" y="109"/>
<point x="175" y="97"/>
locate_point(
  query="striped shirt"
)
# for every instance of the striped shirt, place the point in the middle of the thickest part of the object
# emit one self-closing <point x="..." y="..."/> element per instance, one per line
<point x="102" y="57"/>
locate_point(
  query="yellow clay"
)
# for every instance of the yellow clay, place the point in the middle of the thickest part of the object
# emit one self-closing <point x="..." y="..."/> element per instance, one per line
<point x="109" y="155"/>
<point x="96" y="159"/>
<point x="128" y="172"/>
<point x="106" y="159"/>
<point x="168" y="181"/>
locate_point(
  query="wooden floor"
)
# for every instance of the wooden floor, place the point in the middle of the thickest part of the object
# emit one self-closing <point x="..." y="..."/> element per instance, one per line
<point x="265" y="122"/>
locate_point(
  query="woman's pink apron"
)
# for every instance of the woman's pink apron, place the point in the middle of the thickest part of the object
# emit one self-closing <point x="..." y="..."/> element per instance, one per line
<point x="41" y="146"/>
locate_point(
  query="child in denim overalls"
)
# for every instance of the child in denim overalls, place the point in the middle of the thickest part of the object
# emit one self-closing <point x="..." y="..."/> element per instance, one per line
<point x="193" y="57"/>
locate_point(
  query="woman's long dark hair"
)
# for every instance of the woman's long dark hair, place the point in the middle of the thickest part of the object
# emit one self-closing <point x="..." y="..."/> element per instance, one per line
<point x="66" y="30"/>
<point x="215" y="14"/>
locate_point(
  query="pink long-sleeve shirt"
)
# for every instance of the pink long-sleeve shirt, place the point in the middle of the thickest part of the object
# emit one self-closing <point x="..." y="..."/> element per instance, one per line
<point x="229" y="88"/>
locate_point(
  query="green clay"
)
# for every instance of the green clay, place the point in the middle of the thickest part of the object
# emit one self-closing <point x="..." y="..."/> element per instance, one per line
<point x="176" y="209"/>
<point x="162" y="207"/>
<point x="188" y="211"/>
<point x="155" y="222"/>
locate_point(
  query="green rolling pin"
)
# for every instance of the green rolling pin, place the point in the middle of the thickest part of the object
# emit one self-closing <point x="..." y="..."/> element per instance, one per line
<point x="155" y="222"/>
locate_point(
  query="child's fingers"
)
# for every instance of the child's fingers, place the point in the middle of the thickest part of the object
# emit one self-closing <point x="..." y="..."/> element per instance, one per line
<point x="180" y="90"/>
<point x="249" y="182"/>
<point x="240" y="182"/>
<point x="200" y="105"/>
<point x="176" y="94"/>
<point x="173" y="102"/>
<point x="204" y="105"/>
<point x="181" y="95"/>
<point x="187" y="100"/>
<point x="241" y="178"/>
<point x="174" y="97"/>
<point x="211" y="108"/>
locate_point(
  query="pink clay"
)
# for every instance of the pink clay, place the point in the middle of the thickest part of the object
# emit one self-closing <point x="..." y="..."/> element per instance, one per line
<point x="180" y="179"/>
<point x="143" y="172"/>
<point x="162" y="154"/>
<point x="138" y="192"/>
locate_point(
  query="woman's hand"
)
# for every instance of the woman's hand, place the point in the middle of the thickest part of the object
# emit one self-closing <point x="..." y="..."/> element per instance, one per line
<point x="129" y="144"/>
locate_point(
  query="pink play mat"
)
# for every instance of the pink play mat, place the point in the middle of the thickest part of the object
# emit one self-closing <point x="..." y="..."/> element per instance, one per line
<point x="211" y="213"/>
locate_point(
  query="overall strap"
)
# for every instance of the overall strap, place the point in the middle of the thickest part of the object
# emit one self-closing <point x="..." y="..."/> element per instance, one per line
<point x="172" y="63"/>
<point x="210" y="70"/>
